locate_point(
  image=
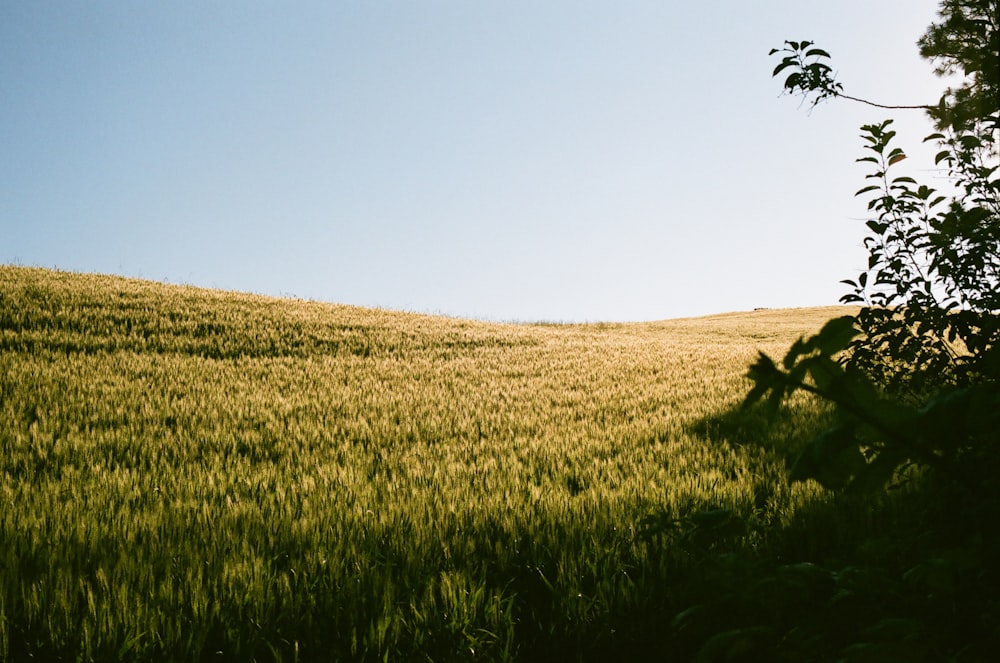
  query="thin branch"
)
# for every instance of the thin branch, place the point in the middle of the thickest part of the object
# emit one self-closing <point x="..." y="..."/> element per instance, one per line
<point x="872" y="103"/>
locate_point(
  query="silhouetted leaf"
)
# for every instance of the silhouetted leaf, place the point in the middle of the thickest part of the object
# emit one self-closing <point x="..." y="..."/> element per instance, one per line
<point x="817" y="52"/>
<point x="744" y="644"/>
<point x="877" y="472"/>
<point x="836" y="335"/>
<point x="832" y="459"/>
<point x="785" y="64"/>
<point x="799" y="347"/>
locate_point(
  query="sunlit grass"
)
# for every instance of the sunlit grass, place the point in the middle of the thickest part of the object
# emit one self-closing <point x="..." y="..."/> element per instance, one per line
<point x="195" y="474"/>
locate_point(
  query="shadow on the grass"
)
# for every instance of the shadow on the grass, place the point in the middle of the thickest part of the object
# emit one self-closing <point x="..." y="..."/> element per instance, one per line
<point x="900" y="574"/>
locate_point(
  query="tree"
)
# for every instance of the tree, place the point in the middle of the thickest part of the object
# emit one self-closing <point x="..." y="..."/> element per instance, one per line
<point x="914" y="381"/>
<point x="914" y="375"/>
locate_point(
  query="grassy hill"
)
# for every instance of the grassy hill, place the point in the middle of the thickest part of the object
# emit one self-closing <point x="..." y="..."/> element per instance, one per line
<point x="194" y="474"/>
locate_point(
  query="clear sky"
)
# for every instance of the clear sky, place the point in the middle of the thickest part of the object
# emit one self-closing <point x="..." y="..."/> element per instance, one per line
<point x="564" y="160"/>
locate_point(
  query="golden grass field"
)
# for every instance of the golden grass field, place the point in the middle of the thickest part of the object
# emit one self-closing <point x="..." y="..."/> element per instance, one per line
<point x="195" y="474"/>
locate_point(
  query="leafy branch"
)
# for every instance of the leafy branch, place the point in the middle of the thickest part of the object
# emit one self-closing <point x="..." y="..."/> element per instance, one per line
<point x="811" y="75"/>
<point x="914" y="376"/>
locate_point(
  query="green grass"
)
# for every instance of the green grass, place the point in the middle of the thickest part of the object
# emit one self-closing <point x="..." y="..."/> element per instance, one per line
<point x="192" y="474"/>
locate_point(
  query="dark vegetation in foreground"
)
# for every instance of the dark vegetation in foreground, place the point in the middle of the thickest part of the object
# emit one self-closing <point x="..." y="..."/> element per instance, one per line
<point x="907" y="573"/>
<point x="914" y="378"/>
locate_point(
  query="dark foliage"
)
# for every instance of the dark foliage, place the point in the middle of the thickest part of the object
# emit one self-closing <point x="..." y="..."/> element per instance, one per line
<point x="914" y="378"/>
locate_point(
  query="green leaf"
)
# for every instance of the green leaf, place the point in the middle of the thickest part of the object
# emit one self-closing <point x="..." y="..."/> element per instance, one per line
<point x="832" y="459"/>
<point x="817" y="52"/>
<point x="827" y="375"/>
<point x="896" y="629"/>
<point x="695" y="612"/>
<point x="711" y="518"/>
<point x="835" y="335"/>
<point x="872" y="187"/>
<point x="799" y="348"/>
<point x="878" y="471"/>
<point x="744" y="644"/>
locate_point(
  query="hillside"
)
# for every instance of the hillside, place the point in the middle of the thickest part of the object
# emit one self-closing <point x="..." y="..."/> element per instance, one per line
<point x="187" y="471"/>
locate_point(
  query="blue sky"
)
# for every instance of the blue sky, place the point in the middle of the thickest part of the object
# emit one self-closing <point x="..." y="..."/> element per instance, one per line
<point x="517" y="160"/>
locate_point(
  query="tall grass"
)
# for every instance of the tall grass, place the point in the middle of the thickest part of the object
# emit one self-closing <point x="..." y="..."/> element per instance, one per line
<point x="191" y="474"/>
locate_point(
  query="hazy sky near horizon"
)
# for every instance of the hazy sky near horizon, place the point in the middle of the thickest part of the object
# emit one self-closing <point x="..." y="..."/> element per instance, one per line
<point x="562" y="160"/>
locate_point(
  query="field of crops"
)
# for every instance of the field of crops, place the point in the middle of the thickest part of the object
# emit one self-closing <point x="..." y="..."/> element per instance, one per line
<point x="193" y="474"/>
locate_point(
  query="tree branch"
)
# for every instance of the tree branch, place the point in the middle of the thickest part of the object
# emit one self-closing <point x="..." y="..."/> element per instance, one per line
<point x="872" y="103"/>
